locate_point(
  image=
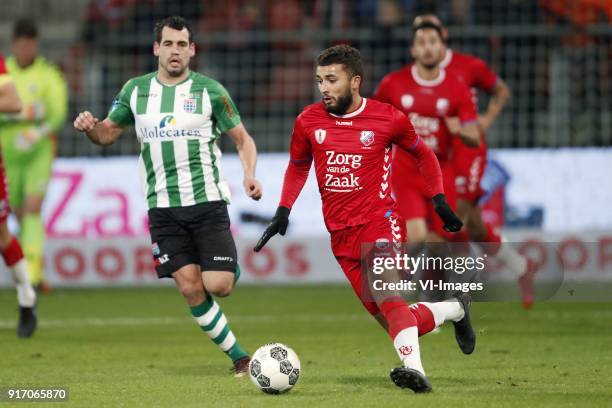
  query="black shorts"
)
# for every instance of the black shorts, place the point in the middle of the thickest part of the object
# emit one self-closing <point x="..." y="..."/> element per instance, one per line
<point x="198" y="234"/>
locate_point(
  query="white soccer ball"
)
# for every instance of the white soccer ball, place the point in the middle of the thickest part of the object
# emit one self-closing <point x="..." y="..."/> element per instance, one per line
<point x="274" y="368"/>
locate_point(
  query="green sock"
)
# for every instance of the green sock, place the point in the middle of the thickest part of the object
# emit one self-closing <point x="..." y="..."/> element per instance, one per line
<point x="212" y="321"/>
<point x="33" y="241"/>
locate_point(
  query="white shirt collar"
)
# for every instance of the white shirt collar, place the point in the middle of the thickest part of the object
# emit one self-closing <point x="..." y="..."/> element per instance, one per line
<point x="426" y="82"/>
<point x="353" y="113"/>
<point x="447" y="58"/>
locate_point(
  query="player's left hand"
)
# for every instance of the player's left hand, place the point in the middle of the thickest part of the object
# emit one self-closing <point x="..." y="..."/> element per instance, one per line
<point x="252" y="188"/>
<point x="452" y="223"/>
<point x="277" y="226"/>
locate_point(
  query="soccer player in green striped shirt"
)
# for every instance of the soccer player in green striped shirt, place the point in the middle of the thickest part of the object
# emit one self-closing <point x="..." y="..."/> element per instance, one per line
<point x="178" y="115"/>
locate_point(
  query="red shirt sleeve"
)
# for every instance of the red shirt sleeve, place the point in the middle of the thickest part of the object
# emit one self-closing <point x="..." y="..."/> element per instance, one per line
<point x="2" y="65"/>
<point x="465" y="107"/>
<point x="405" y="137"/>
<point x="485" y="77"/>
<point x="300" y="159"/>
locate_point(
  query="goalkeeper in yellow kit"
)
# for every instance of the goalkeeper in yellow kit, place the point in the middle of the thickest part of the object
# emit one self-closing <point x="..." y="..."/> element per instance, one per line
<point x="28" y="139"/>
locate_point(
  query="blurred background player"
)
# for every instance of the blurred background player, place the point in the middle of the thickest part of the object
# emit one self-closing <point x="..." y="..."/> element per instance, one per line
<point x="470" y="162"/>
<point x="9" y="246"/>
<point x="179" y="115"/>
<point x="349" y="139"/>
<point x="29" y="139"/>
<point x="427" y="95"/>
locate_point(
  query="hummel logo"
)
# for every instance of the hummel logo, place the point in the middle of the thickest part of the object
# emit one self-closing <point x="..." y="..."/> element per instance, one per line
<point x="344" y="123"/>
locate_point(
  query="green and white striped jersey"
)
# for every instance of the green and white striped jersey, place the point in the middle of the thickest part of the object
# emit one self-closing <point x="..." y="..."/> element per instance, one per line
<point x="177" y="127"/>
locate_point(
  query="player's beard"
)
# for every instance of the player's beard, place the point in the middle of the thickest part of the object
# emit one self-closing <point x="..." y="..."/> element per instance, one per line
<point x="175" y="72"/>
<point x="433" y="62"/>
<point x="343" y="102"/>
<point x="431" y="66"/>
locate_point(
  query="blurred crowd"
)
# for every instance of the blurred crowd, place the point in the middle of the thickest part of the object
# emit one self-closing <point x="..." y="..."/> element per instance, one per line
<point x="263" y="50"/>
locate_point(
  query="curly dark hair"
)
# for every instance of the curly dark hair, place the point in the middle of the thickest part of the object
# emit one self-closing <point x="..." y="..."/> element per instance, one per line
<point x="342" y="54"/>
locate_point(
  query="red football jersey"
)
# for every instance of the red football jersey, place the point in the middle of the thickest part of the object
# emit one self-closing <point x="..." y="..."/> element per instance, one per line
<point x="472" y="71"/>
<point x="3" y="70"/>
<point x="352" y="159"/>
<point x="427" y="103"/>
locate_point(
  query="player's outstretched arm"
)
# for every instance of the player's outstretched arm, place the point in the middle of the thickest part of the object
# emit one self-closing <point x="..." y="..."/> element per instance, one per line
<point x="248" y="157"/>
<point x="295" y="178"/>
<point x="102" y="133"/>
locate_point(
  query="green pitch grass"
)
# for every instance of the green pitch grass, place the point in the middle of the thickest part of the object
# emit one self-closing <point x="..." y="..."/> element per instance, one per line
<point x="139" y="347"/>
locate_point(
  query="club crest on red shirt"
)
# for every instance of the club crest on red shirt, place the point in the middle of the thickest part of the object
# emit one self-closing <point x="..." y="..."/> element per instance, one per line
<point x="442" y="106"/>
<point x="407" y="101"/>
<point x="367" y="137"/>
<point x="320" y="135"/>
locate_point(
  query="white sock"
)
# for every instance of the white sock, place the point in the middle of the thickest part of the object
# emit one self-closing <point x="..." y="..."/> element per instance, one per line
<point x="407" y="347"/>
<point x="516" y="262"/>
<point x="445" y="311"/>
<point x="26" y="296"/>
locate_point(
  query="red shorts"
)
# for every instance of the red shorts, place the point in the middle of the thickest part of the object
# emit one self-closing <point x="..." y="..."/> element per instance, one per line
<point x="347" y="248"/>
<point x="413" y="201"/>
<point x="4" y="202"/>
<point x="470" y="163"/>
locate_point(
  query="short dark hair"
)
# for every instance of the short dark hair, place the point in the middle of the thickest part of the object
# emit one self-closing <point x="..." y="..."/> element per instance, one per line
<point x="427" y="24"/>
<point x="428" y="17"/>
<point x="25" y="28"/>
<point x="175" y="22"/>
<point x="342" y="54"/>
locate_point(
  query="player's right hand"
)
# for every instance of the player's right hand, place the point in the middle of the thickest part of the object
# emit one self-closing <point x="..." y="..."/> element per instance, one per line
<point x="85" y="122"/>
<point x="277" y="226"/>
<point x="452" y="223"/>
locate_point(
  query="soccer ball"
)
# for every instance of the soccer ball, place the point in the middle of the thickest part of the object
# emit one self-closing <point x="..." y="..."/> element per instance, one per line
<point x="274" y="368"/>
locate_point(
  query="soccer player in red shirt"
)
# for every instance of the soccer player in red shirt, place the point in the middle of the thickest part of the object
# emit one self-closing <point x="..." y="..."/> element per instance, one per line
<point x="469" y="162"/>
<point x="10" y="249"/>
<point x="428" y="96"/>
<point x="349" y="139"/>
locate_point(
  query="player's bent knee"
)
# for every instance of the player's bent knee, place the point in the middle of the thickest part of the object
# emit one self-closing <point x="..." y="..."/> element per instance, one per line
<point x="220" y="288"/>
<point x="191" y="290"/>
<point x="416" y="230"/>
